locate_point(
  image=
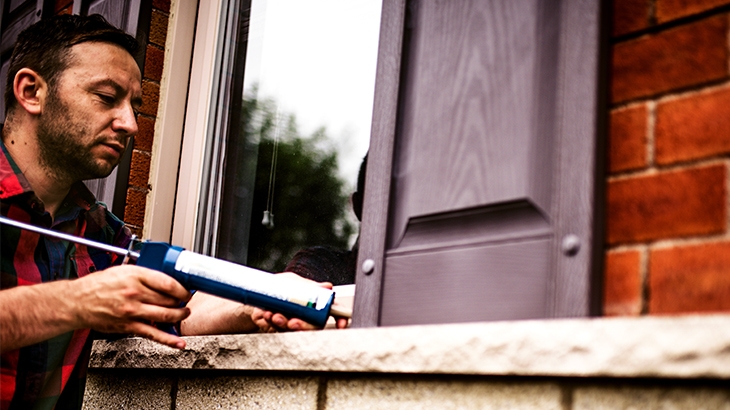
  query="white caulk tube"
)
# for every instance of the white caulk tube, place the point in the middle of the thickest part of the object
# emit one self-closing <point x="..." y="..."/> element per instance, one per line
<point x="302" y="300"/>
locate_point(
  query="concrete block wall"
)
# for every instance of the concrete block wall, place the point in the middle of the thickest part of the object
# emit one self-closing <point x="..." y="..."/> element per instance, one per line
<point x="667" y="196"/>
<point x="572" y="364"/>
<point x="390" y="392"/>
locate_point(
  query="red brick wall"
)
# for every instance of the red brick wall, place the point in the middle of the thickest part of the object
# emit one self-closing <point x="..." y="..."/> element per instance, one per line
<point x="141" y="156"/>
<point x="668" y="243"/>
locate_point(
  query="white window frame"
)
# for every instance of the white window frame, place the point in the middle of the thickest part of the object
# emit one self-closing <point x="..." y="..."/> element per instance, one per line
<point x="181" y="131"/>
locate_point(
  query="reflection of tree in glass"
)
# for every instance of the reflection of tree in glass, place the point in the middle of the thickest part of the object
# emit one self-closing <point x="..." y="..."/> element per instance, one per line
<point x="310" y="201"/>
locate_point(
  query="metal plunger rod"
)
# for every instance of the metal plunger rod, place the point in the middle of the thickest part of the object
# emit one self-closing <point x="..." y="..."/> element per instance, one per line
<point x="70" y="238"/>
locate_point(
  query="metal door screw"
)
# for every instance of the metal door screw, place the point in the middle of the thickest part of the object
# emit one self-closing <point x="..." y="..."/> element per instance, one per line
<point x="570" y="245"/>
<point x="368" y="266"/>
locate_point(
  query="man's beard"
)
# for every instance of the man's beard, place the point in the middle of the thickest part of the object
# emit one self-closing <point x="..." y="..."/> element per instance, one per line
<point x="62" y="152"/>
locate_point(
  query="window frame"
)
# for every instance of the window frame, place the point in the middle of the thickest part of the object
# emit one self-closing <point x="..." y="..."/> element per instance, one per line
<point x="176" y="86"/>
<point x="181" y="132"/>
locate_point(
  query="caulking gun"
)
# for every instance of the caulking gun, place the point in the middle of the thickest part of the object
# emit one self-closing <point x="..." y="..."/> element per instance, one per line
<point x="293" y="299"/>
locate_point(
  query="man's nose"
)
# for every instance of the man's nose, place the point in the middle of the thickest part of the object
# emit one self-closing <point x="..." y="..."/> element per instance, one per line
<point x="125" y="121"/>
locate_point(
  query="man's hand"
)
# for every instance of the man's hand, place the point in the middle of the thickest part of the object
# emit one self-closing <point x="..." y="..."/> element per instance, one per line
<point x="121" y="299"/>
<point x="269" y="322"/>
<point x="124" y="299"/>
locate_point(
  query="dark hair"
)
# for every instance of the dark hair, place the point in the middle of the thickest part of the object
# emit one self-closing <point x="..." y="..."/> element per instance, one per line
<point x="45" y="46"/>
<point x="324" y="264"/>
<point x="357" y="196"/>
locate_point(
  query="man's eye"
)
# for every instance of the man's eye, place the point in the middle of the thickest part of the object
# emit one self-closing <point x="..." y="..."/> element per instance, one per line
<point x="106" y="99"/>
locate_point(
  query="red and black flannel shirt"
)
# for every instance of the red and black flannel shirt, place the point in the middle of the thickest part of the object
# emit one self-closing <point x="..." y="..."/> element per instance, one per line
<point x="50" y="374"/>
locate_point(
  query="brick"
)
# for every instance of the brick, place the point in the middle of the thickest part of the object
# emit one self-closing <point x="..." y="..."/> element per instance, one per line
<point x="67" y="11"/>
<point x="139" y="170"/>
<point x="63" y="7"/>
<point x="622" y="283"/>
<point x="693" y="278"/>
<point x="667" y="10"/>
<point x="136" y="231"/>
<point x="150" y="98"/>
<point x="666" y="205"/>
<point x="135" y="209"/>
<point x="158" y="28"/>
<point x="694" y="127"/>
<point x="146" y="134"/>
<point x="627" y="139"/>
<point x="163" y="5"/>
<point x="629" y="16"/>
<point x="685" y="56"/>
<point x="153" y="63"/>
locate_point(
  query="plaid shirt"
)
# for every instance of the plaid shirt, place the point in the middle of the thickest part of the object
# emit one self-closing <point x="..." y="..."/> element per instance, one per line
<point x="50" y="374"/>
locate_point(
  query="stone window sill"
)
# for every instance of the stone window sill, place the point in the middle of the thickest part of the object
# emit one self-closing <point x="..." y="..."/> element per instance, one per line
<point x="696" y="346"/>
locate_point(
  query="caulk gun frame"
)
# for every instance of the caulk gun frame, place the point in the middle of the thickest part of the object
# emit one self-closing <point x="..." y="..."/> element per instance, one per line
<point x="155" y="256"/>
<point x="128" y="254"/>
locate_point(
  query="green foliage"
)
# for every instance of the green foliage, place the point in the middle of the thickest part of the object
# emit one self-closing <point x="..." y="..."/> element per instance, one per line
<point x="310" y="200"/>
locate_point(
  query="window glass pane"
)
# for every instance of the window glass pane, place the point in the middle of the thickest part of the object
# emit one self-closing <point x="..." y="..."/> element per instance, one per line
<point x="297" y="139"/>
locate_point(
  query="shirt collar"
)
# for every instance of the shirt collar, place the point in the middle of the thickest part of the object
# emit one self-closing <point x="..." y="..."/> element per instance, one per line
<point x="13" y="183"/>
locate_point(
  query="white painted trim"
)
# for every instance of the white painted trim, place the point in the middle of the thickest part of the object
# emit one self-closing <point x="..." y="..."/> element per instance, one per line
<point x="196" y="124"/>
<point x="170" y="119"/>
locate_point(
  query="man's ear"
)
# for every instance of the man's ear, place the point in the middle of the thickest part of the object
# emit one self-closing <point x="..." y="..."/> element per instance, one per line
<point x="30" y="90"/>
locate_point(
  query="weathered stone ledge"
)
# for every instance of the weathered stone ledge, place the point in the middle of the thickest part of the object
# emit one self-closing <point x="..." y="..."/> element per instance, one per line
<point x="664" y="347"/>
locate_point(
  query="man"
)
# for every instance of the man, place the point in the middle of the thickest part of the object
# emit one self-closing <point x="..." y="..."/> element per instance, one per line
<point x="73" y="91"/>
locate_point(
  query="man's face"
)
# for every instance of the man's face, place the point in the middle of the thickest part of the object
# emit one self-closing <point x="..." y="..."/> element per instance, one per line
<point x="89" y="114"/>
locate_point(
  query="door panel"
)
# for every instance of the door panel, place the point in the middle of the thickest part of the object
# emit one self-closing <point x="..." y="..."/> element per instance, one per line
<point x="483" y="134"/>
<point x="498" y="223"/>
<point x="15" y="16"/>
<point x="477" y="133"/>
<point x="3" y="75"/>
<point x="122" y="14"/>
<point x="26" y="16"/>
<point x="466" y="284"/>
<point x="480" y="202"/>
<point x="14" y="4"/>
<point x="112" y="10"/>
